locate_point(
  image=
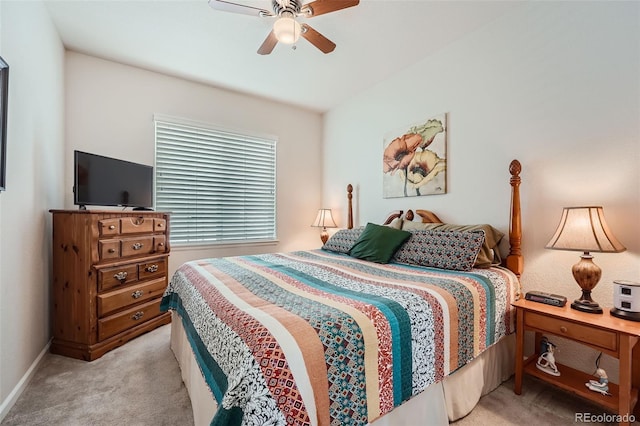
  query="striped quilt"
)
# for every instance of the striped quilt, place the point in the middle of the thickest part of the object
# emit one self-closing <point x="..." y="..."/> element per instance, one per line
<point x="319" y="338"/>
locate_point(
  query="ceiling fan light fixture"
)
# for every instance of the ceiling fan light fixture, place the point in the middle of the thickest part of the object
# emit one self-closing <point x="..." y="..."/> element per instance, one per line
<point x="287" y="30"/>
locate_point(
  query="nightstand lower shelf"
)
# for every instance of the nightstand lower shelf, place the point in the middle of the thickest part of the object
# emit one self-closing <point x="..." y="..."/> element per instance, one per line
<point x="613" y="336"/>
<point x="573" y="381"/>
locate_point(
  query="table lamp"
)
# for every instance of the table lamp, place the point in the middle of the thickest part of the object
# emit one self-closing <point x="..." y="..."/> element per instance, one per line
<point x="584" y="229"/>
<point x="324" y="220"/>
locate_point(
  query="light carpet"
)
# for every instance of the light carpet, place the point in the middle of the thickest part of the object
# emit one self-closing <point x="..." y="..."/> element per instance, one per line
<point x="139" y="384"/>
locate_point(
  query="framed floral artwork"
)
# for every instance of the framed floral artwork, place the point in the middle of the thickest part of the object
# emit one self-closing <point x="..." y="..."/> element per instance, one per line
<point x="414" y="161"/>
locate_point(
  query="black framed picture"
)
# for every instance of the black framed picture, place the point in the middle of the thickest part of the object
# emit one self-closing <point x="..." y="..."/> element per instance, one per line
<point x="4" y="92"/>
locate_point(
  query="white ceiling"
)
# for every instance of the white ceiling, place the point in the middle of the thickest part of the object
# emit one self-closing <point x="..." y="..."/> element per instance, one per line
<point x="189" y="39"/>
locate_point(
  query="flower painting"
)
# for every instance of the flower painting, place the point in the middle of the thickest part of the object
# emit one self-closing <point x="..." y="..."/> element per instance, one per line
<point x="414" y="160"/>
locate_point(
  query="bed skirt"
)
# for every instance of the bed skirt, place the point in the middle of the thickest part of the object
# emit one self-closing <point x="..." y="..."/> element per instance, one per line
<point x="440" y="403"/>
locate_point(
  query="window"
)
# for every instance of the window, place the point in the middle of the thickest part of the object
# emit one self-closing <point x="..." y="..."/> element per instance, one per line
<point x="219" y="186"/>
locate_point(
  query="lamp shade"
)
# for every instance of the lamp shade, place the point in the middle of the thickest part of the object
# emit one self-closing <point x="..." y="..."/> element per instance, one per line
<point x="584" y="229"/>
<point x="324" y="219"/>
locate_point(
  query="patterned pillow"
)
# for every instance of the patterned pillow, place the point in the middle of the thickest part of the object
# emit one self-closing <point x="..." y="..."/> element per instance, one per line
<point x="454" y="250"/>
<point x="490" y="251"/>
<point x="343" y="240"/>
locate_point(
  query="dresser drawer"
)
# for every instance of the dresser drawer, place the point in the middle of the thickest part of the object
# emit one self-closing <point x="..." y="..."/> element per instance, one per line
<point x="125" y="297"/>
<point x="136" y="225"/>
<point x="114" y="324"/>
<point x="109" y="249"/>
<point x="109" y="227"/>
<point x="582" y="333"/>
<point x="156" y="268"/>
<point x="159" y="225"/>
<point x="136" y="246"/>
<point x="113" y="277"/>
<point x="160" y="243"/>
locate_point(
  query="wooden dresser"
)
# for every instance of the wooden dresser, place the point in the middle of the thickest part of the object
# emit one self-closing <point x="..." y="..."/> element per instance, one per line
<point x="109" y="274"/>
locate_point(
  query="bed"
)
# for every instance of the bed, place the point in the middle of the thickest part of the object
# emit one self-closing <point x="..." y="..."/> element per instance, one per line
<point x="339" y="336"/>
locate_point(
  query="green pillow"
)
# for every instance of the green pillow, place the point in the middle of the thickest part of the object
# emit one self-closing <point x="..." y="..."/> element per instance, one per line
<point x="378" y="243"/>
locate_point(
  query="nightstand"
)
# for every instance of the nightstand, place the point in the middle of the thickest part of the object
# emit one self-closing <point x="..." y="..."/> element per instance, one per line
<point x="602" y="332"/>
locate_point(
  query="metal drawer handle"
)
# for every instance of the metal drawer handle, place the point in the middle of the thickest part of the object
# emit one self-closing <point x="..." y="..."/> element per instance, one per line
<point x="112" y="227"/>
<point x="111" y="250"/>
<point x="152" y="268"/>
<point x="137" y="294"/>
<point x="137" y="246"/>
<point x="121" y="276"/>
<point x="137" y="316"/>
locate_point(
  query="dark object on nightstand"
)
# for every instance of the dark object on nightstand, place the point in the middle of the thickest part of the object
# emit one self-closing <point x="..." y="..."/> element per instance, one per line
<point x="633" y="316"/>
<point x="546" y="298"/>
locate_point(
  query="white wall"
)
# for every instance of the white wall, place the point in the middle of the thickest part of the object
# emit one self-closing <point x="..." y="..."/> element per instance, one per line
<point x="110" y="108"/>
<point x="35" y="146"/>
<point x="553" y="84"/>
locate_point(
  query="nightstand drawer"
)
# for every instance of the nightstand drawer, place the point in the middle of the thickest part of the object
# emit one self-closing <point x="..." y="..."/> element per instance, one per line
<point x="582" y="333"/>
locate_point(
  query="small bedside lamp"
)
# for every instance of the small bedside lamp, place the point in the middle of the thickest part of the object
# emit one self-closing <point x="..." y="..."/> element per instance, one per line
<point x="584" y="229"/>
<point x="324" y="220"/>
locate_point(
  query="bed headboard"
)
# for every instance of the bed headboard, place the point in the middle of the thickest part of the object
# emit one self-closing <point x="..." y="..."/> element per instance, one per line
<point x="514" y="260"/>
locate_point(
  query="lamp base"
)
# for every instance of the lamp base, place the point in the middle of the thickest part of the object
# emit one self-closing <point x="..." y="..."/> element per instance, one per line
<point x="587" y="274"/>
<point x="324" y="236"/>
<point x="588" y="306"/>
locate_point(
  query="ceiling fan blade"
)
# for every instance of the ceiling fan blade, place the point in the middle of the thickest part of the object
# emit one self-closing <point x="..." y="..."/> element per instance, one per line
<point x="320" y="7"/>
<point x="245" y="9"/>
<point x="268" y="44"/>
<point x="317" y="39"/>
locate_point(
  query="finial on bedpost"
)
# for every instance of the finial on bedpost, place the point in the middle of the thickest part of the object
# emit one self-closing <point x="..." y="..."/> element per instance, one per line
<point x="350" y="207"/>
<point x="515" y="261"/>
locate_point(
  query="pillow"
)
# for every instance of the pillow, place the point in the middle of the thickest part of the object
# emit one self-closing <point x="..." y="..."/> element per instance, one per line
<point x="456" y="250"/>
<point x="378" y="243"/>
<point x="489" y="253"/>
<point x="343" y="240"/>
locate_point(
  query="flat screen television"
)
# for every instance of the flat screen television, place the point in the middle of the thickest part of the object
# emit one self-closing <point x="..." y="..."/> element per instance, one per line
<point x="104" y="181"/>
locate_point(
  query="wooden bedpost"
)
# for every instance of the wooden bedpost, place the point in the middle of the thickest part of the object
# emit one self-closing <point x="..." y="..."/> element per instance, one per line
<point x="515" y="261"/>
<point x="350" y="207"/>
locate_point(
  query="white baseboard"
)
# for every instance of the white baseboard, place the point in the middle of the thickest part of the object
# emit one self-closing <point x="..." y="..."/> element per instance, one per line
<point x="9" y="402"/>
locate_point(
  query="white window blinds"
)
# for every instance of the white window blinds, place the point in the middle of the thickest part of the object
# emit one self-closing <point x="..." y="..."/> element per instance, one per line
<point x="219" y="186"/>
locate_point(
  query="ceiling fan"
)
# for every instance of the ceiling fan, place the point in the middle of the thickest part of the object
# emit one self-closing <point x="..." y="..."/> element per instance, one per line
<point x="286" y="29"/>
